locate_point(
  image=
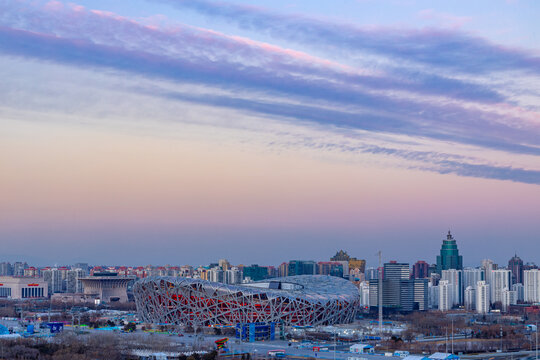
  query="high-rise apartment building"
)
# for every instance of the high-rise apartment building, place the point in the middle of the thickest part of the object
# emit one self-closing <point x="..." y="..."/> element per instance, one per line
<point x="520" y="293"/>
<point x="445" y="295"/>
<point x="500" y="279"/>
<point x="6" y="269"/>
<point x="224" y="264"/>
<point x="18" y="268"/>
<point x="449" y="257"/>
<point x="482" y="297"/>
<point x="472" y="276"/>
<point x="363" y="290"/>
<point x="488" y="266"/>
<point x="531" y="285"/>
<point x="216" y="275"/>
<point x="233" y="275"/>
<point x="455" y="281"/>
<point x="372" y="274"/>
<point x="83" y="266"/>
<point x="433" y="296"/>
<point x="470" y="298"/>
<point x="508" y="298"/>
<point x="283" y="269"/>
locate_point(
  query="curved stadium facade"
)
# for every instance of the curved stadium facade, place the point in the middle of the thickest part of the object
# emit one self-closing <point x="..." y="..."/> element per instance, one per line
<point x="294" y="300"/>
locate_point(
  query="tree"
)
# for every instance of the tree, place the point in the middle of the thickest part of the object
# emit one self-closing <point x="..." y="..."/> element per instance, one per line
<point x="130" y="327"/>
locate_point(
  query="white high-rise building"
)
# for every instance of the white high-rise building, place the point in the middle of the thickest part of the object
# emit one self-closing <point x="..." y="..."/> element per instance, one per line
<point x="233" y="275"/>
<point x="488" y="266"/>
<point x="472" y="276"/>
<point x="531" y="285"/>
<point x="445" y="295"/>
<point x="216" y="275"/>
<point x="482" y="297"/>
<point x="433" y="296"/>
<point x="508" y="298"/>
<point x="455" y="281"/>
<point x="519" y="289"/>
<point x="363" y="290"/>
<point x="500" y="280"/>
<point x="470" y="297"/>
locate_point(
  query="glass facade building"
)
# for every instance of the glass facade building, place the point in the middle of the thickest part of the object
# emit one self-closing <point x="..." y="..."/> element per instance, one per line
<point x="449" y="257"/>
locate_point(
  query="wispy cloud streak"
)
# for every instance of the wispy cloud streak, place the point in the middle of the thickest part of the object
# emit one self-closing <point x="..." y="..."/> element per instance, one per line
<point x="442" y="48"/>
<point x="282" y="83"/>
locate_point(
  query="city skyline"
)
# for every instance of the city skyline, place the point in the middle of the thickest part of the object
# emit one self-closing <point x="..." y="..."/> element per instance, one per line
<point x="181" y="131"/>
<point x="370" y="262"/>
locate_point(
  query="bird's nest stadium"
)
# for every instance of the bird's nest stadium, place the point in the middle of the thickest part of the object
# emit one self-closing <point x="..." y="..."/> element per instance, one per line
<point x="295" y="300"/>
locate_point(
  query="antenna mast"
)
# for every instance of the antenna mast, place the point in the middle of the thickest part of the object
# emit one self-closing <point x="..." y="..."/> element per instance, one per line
<point x="380" y="293"/>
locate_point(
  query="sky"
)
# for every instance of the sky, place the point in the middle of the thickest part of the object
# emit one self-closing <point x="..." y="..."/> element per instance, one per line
<point x="183" y="131"/>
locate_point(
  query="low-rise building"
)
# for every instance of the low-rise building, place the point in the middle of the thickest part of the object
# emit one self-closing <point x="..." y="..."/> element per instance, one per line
<point x="22" y="287"/>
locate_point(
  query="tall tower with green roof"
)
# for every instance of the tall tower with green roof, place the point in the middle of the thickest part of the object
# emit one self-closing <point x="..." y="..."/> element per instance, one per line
<point x="449" y="258"/>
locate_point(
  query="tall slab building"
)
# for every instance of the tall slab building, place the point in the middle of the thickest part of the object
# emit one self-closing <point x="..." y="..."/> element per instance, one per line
<point x="449" y="257"/>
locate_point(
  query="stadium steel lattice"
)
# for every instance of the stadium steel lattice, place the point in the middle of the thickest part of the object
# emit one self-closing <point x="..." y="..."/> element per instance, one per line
<point x="293" y="300"/>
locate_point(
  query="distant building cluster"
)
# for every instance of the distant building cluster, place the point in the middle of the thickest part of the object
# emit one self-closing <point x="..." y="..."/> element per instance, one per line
<point x="396" y="286"/>
<point x="447" y="285"/>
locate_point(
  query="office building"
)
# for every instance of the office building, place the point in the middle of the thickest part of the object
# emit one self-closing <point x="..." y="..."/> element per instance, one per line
<point x="300" y="267"/>
<point x="482" y="297"/>
<point x="515" y="265"/>
<point x="398" y="289"/>
<point x="421" y="294"/>
<point x="449" y="257"/>
<point x="531" y="285"/>
<point x="396" y="271"/>
<point x="420" y="270"/>
<point x="255" y="272"/>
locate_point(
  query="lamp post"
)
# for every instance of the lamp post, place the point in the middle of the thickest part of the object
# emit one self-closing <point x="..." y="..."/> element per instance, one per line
<point x="536" y="347"/>
<point x="334" y="345"/>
